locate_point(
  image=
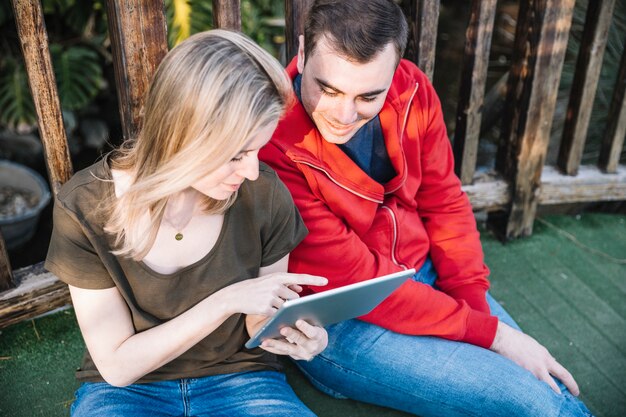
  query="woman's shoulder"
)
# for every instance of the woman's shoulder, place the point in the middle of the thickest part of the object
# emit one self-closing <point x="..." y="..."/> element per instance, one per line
<point x="266" y="181"/>
<point x="86" y="188"/>
<point x="264" y="189"/>
<point x="267" y="173"/>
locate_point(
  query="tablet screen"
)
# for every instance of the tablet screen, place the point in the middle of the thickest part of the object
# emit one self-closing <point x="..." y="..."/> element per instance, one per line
<point x="331" y="306"/>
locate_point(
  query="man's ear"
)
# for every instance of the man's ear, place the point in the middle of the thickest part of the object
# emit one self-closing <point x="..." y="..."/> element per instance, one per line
<point x="300" y="60"/>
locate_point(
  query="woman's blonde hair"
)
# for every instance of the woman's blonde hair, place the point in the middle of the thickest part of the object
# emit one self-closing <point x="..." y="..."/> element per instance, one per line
<point x="209" y="96"/>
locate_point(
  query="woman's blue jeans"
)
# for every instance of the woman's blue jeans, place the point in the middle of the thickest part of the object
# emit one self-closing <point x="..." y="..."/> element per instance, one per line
<point x="264" y="393"/>
<point x="430" y="376"/>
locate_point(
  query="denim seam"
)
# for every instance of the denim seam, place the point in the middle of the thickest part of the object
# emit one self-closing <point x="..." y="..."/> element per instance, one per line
<point x="347" y="370"/>
<point x="326" y="389"/>
<point x="185" y="396"/>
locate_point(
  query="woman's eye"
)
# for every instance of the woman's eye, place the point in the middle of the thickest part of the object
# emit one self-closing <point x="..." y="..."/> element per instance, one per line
<point x="237" y="159"/>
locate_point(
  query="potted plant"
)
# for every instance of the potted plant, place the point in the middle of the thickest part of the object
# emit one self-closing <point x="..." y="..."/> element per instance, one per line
<point x="23" y="195"/>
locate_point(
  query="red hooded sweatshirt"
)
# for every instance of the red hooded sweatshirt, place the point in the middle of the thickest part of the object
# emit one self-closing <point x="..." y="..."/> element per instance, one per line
<point x="360" y="229"/>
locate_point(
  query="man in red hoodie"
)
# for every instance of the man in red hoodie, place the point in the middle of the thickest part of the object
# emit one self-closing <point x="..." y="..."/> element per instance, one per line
<point x="366" y="157"/>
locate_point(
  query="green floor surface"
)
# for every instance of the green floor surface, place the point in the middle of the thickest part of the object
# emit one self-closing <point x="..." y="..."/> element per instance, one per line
<point x="565" y="286"/>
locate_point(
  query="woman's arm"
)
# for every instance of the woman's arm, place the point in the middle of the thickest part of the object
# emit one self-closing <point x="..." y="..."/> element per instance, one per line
<point x="255" y="322"/>
<point x="123" y="356"/>
<point x="301" y="343"/>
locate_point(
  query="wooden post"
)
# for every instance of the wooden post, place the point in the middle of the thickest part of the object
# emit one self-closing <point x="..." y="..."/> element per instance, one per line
<point x="616" y="126"/>
<point x="539" y="50"/>
<point x="423" y="17"/>
<point x="295" y="15"/>
<point x="588" y="66"/>
<point x="6" y="274"/>
<point x="227" y="14"/>
<point x="138" y="33"/>
<point x="472" y="88"/>
<point x="34" y="41"/>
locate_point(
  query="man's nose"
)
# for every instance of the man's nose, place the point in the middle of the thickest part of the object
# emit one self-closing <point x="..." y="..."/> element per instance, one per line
<point x="345" y="112"/>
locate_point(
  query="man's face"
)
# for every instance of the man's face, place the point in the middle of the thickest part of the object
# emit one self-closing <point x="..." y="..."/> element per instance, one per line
<point x="339" y="95"/>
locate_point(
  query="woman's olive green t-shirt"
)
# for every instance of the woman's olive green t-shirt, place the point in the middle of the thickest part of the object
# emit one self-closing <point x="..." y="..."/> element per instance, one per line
<point x="260" y="228"/>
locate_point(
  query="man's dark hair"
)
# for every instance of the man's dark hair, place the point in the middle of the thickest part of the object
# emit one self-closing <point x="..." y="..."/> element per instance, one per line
<point x="356" y="29"/>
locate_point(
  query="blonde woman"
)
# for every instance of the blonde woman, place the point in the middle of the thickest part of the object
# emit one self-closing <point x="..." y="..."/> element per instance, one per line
<point x="175" y="247"/>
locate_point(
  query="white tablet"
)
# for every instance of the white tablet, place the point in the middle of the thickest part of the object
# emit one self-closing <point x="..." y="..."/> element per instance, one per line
<point x="331" y="306"/>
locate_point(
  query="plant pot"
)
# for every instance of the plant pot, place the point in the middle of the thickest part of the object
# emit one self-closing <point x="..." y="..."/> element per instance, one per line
<point x="19" y="228"/>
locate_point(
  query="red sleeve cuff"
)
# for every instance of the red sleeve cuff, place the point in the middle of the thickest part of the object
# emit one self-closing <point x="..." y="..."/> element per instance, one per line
<point x="473" y="295"/>
<point x="481" y="329"/>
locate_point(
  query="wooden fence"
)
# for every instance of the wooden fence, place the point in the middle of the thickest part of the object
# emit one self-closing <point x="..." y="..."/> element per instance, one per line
<point x="139" y="41"/>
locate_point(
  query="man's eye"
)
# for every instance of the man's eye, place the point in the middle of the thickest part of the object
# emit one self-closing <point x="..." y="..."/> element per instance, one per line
<point x="328" y="93"/>
<point x="369" y="99"/>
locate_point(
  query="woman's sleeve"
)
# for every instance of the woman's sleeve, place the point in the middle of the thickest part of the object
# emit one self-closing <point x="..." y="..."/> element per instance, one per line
<point x="285" y="229"/>
<point x="72" y="256"/>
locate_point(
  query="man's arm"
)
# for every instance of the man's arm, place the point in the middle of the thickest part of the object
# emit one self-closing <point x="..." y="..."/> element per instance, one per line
<point x="455" y="247"/>
<point x="333" y="250"/>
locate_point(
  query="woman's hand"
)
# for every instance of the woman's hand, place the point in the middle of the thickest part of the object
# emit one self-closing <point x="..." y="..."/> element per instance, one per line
<point x="301" y="343"/>
<point x="265" y="295"/>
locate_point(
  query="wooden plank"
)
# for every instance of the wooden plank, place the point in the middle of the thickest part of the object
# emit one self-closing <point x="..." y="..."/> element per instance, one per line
<point x="616" y="127"/>
<point x="227" y="14"/>
<point x="488" y="192"/>
<point x="539" y="50"/>
<point x="37" y="292"/>
<point x="423" y="17"/>
<point x="590" y="185"/>
<point x="588" y="66"/>
<point x="472" y="88"/>
<point x="491" y="192"/>
<point x="34" y="42"/>
<point x="6" y="275"/>
<point x="138" y="32"/>
<point x="295" y="16"/>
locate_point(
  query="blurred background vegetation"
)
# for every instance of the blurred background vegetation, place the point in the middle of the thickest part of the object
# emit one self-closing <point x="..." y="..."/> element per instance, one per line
<point x="81" y="57"/>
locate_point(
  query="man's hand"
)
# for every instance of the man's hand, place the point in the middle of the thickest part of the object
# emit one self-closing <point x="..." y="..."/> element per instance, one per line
<point x="529" y="354"/>
<point x="301" y="343"/>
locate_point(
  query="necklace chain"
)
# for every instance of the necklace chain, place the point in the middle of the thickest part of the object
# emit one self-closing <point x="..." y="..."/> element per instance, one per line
<point x="180" y="226"/>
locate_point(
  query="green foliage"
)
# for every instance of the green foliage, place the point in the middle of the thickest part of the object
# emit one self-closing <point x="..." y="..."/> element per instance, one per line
<point x="16" y="104"/>
<point x="77" y="32"/>
<point x="78" y="74"/>
<point x="262" y="20"/>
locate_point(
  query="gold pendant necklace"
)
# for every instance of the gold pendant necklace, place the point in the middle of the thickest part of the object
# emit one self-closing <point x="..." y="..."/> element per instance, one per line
<point x="184" y="208"/>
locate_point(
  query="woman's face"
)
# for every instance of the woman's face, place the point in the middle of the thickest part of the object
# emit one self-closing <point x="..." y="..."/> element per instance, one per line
<point x="223" y="182"/>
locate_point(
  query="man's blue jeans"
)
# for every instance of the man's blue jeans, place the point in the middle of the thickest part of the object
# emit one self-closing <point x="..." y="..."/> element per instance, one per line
<point x="264" y="393"/>
<point x="430" y="376"/>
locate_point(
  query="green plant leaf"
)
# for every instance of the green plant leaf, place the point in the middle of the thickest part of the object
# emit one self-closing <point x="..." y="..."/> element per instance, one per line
<point x="181" y="19"/>
<point x="186" y="17"/>
<point x="201" y="16"/>
<point x="16" y="104"/>
<point x="78" y="73"/>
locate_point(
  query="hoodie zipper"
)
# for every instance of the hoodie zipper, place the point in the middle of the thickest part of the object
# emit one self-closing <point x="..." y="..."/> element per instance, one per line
<point x="395" y="237"/>
<point x="406" y="117"/>
<point x="337" y="182"/>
